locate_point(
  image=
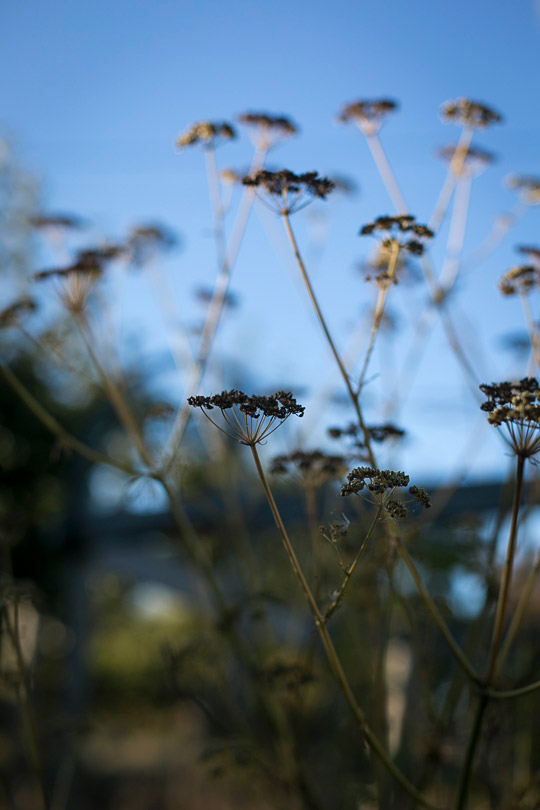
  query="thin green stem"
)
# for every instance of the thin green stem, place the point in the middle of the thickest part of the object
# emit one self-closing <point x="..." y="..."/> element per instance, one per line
<point x="385" y="170"/>
<point x="351" y="568"/>
<point x="56" y="428"/>
<point x="498" y="628"/>
<point x="353" y="396"/>
<point x="436" y="615"/>
<point x="379" y="311"/>
<point x="518" y="614"/>
<point x="213" y="317"/>
<point x="333" y="658"/>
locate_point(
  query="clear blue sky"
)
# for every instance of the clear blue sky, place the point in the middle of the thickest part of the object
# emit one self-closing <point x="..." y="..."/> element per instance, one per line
<point x="95" y="93"/>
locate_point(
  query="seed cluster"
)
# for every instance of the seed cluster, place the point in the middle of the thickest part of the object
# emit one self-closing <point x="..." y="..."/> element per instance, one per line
<point x="383" y="483"/>
<point x="475" y="159"/>
<point x="289" y="191"/>
<point x="207" y="133"/>
<point x="369" y="115"/>
<point x="279" y="124"/>
<point x="516" y="406"/>
<point x="395" y="227"/>
<point x="10" y="315"/>
<point x="314" y="466"/>
<point x="379" y="433"/>
<point x="520" y="280"/>
<point x="528" y="187"/>
<point x="469" y="113"/>
<point x="249" y="419"/>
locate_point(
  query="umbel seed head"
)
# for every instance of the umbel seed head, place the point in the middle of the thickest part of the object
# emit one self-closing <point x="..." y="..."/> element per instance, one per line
<point x="249" y="419"/>
<point x="515" y="406"/>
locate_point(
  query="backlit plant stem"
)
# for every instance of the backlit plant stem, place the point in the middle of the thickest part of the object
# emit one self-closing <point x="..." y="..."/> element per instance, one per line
<point x="379" y="311"/>
<point x="454" y="170"/>
<point x="385" y="170"/>
<point x="353" y="396"/>
<point x="213" y="316"/>
<point x="496" y="638"/>
<point x="330" y="650"/>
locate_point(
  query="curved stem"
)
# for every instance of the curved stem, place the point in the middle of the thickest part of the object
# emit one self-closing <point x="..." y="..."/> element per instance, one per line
<point x="353" y="396"/>
<point x="351" y="568"/>
<point x="496" y="638"/>
<point x="213" y="317"/>
<point x="436" y="614"/>
<point x="379" y="311"/>
<point x="331" y="653"/>
<point x="56" y="428"/>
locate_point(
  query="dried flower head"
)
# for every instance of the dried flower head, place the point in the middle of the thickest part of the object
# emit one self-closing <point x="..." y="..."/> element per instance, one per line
<point x="268" y="130"/>
<point x="467" y="113"/>
<point x="145" y="241"/>
<point x="77" y="281"/>
<point x="368" y="115"/>
<point x="471" y="159"/>
<point x="526" y="186"/>
<point x="314" y="467"/>
<point x="249" y="419"/>
<point x="378" y="433"/>
<point x="520" y="280"/>
<point x="10" y="315"/>
<point x="207" y="133"/>
<point x="393" y="230"/>
<point x="231" y="176"/>
<point x="516" y="407"/>
<point x="288" y="191"/>
<point x="57" y="221"/>
<point x="531" y="252"/>
<point x="381" y="486"/>
<point x="206" y="295"/>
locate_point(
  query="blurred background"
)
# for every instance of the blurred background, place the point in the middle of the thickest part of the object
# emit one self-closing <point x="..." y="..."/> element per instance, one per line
<point x="130" y="685"/>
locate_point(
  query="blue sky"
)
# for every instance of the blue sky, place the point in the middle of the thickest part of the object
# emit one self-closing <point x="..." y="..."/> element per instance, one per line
<point x="96" y="92"/>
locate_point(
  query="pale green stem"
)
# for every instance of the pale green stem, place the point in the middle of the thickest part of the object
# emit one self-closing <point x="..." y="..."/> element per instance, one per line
<point x="496" y="638"/>
<point x="436" y="615"/>
<point x="56" y="428"/>
<point x="333" y="658"/>
<point x="454" y="171"/>
<point x="353" y="396"/>
<point x="114" y="394"/>
<point x="349" y="571"/>
<point x="519" y="612"/>
<point x="213" y="317"/>
<point x="379" y="311"/>
<point x="385" y="170"/>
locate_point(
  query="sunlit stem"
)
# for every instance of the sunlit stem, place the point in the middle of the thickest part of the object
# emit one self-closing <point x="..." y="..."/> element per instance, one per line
<point x="213" y="316"/>
<point x="385" y="170"/>
<point x="353" y="396"/>
<point x="454" y="171"/>
<point x="379" y="310"/>
<point x="532" y="328"/>
<point x="333" y="658"/>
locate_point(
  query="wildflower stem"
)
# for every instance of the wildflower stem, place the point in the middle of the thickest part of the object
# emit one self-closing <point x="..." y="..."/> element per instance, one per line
<point x="379" y="310"/>
<point x="353" y="396"/>
<point x="349" y="571"/>
<point x="386" y="172"/>
<point x="331" y="653"/>
<point x="498" y="628"/>
<point x="25" y="708"/>
<point x="518" y="614"/>
<point x="531" y="328"/>
<point x="213" y="316"/>
<point x="454" y="170"/>
<point x="114" y="394"/>
<point x="436" y="614"/>
<point x="56" y="428"/>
